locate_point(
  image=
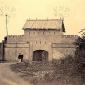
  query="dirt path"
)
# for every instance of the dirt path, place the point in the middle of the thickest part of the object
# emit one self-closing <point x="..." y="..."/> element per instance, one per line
<point x="8" y="77"/>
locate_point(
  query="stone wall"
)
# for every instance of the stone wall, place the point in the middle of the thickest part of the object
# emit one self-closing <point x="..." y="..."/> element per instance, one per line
<point x="15" y="38"/>
<point x="2" y="51"/>
<point x="56" y="43"/>
<point x="12" y="50"/>
<point x="43" y="40"/>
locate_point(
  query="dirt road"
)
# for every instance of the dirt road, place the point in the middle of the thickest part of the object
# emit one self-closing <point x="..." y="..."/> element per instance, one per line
<point x="8" y="77"/>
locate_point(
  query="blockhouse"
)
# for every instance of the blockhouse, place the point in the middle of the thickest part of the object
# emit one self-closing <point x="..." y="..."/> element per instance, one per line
<point x="43" y="40"/>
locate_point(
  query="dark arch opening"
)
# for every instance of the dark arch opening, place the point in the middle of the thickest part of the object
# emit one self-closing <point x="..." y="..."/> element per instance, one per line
<point x="20" y="56"/>
<point x="40" y="55"/>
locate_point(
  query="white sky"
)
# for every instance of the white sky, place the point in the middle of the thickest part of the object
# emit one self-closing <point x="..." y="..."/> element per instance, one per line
<point x="20" y="10"/>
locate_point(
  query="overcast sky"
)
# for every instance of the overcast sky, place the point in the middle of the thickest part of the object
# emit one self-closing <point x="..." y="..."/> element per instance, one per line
<point x="19" y="11"/>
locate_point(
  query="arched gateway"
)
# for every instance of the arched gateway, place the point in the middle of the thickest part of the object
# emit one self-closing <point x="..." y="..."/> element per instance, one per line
<point x="43" y="40"/>
<point x="40" y="55"/>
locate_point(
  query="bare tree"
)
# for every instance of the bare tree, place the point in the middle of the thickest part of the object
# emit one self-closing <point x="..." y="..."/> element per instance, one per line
<point x="61" y="11"/>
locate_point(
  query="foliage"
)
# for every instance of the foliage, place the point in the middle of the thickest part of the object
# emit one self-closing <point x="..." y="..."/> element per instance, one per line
<point x="80" y="57"/>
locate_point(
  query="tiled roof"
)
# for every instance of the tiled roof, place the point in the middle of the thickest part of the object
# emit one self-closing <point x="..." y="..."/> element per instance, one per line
<point x="43" y="24"/>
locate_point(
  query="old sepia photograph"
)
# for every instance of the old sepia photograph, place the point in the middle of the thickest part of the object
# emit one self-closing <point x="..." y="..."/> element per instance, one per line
<point x="42" y="42"/>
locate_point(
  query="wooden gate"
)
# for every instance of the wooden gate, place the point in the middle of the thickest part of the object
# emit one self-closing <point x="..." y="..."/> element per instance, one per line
<point x="40" y="55"/>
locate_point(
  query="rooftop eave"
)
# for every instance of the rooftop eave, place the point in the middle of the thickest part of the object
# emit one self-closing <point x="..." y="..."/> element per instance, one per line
<point x="41" y="29"/>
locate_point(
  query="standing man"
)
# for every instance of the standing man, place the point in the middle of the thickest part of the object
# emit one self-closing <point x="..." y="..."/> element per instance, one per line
<point x="20" y="56"/>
